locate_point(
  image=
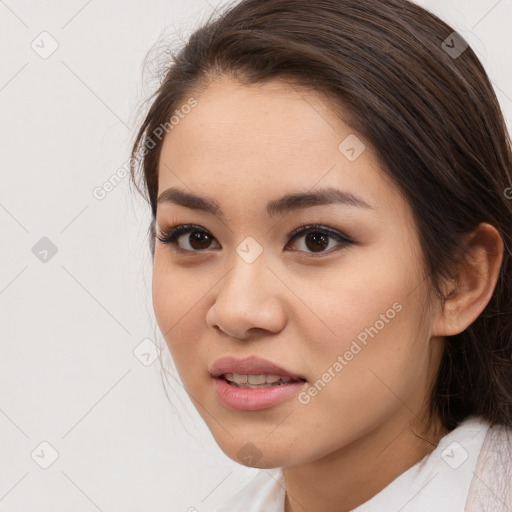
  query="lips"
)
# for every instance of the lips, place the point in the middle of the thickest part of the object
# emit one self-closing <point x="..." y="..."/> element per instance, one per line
<point x="250" y="366"/>
<point x="253" y="384"/>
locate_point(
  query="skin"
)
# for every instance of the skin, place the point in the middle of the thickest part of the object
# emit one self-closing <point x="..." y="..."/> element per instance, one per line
<point x="243" y="146"/>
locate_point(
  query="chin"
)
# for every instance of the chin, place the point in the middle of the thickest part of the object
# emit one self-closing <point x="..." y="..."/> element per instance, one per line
<point x="258" y="454"/>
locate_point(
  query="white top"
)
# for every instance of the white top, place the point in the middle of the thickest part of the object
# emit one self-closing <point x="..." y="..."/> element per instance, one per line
<point x="440" y="481"/>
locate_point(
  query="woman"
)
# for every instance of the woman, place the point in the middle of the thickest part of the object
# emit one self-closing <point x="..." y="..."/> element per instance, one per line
<point x="332" y="240"/>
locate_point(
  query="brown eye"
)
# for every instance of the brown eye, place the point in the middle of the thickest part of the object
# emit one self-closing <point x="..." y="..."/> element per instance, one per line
<point x="194" y="239"/>
<point x="317" y="239"/>
<point x="197" y="240"/>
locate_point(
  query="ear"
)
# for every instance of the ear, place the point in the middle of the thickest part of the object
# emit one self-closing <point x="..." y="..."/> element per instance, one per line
<point x="469" y="293"/>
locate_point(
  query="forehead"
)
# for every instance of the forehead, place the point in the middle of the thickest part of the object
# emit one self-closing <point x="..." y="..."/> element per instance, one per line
<point x="266" y="138"/>
<point x="276" y="114"/>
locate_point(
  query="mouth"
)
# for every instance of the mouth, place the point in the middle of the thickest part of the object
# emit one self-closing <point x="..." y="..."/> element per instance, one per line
<point x="251" y="370"/>
<point x="257" y="381"/>
<point x="253" y="384"/>
<point x="246" y="396"/>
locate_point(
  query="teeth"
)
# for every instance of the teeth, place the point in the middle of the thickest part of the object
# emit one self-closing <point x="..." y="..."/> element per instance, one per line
<point x="253" y="381"/>
<point x="257" y="379"/>
<point x="269" y="379"/>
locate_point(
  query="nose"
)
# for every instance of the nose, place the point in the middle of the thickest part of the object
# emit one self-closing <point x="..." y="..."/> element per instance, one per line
<point x="248" y="300"/>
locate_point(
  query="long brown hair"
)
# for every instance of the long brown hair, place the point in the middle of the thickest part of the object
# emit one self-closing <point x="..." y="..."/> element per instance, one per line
<point x="411" y="87"/>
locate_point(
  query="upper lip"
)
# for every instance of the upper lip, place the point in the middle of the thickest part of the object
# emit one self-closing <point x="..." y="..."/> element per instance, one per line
<point x="249" y="366"/>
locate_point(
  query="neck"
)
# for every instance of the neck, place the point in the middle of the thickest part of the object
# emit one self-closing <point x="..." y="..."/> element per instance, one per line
<point x="352" y="475"/>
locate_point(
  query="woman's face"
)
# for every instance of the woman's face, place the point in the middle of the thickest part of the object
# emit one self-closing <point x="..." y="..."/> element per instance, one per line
<point x="342" y="307"/>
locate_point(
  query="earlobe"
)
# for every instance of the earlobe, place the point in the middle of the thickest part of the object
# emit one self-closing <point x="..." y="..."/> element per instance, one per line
<point x="472" y="289"/>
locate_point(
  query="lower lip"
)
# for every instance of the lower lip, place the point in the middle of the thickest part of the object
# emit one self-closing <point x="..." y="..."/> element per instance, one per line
<point x="255" y="399"/>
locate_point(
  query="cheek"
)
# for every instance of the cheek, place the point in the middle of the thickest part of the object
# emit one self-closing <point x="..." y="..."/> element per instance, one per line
<point x="369" y="323"/>
<point x="178" y="307"/>
<point x="379" y="357"/>
<point x="357" y="386"/>
<point x="363" y="298"/>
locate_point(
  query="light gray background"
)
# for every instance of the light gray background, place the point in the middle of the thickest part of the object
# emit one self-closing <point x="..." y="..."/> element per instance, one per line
<point x="69" y="326"/>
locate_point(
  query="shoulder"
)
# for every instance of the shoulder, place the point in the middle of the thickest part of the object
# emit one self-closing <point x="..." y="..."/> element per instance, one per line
<point x="491" y="486"/>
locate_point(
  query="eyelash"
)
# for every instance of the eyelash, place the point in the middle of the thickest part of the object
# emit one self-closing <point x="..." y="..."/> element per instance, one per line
<point x="171" y="235"/>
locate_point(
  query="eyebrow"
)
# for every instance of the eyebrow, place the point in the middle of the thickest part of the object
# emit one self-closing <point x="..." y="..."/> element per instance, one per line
<point x="281" y="206"/>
